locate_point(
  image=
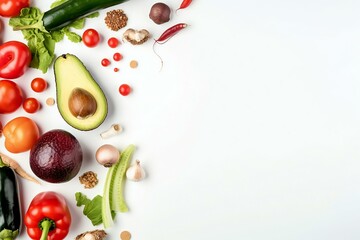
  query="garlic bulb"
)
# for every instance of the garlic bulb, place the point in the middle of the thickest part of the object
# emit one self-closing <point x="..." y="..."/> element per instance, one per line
<point x="135" y="172"/>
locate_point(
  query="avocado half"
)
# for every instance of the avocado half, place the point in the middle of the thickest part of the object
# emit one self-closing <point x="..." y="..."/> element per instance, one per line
<point x="70" y="75"/>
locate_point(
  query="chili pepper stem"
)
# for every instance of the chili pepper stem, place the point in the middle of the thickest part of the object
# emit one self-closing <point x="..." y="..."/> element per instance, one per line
<point x="162" y="63"/>
<point x="46" y="226"/>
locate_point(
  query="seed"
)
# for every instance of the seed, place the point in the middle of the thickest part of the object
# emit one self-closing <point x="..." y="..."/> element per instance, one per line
<point x="125" y="235"/>
<point x="133" y="64"/>
<point x="116" y="19"/>
<point x="50" y="101"/>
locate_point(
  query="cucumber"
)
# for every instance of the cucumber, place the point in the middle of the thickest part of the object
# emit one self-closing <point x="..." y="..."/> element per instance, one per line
<point x="71" y="10"/>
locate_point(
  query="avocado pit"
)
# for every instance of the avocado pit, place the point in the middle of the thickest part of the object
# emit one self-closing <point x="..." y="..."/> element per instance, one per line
<point x="82" y="103"/>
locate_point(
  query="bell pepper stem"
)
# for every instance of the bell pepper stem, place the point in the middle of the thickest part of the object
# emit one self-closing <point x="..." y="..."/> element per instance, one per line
<point x="46" y="225"/>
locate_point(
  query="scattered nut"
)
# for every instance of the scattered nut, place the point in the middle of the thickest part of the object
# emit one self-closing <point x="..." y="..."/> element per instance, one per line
<point x="133" y="64"/>
<point x="136" y="37"/>
<point x="125" y="235"/>
<point x="50" y="101"/>
<point x="89" y="179"/>
<point x="116" y="19"/>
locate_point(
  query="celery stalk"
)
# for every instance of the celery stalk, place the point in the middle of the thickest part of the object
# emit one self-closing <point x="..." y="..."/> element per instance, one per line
<point x="113" y="197"/>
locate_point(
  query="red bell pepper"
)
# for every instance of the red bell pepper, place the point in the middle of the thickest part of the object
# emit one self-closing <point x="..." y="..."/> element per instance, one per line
<point x="48" y="217"/>
<point x="15" y="58"/>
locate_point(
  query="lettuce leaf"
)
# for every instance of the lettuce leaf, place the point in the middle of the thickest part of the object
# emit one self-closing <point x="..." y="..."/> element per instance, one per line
<point x="41" y="42"/>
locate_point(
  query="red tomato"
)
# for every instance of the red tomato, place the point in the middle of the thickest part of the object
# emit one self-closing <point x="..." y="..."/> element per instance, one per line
<point x="38" y="84"/>
<point x="113" y="42"/>
<point x="117" y="56"/>
<point x="124" y="89"/>
<point x="20" y="134"/>
<point x="15" y="58"/>
<point x="12" y="8"/>
<point x="105" y="62"/>
<point x="31" y="105"/>
<point x="10" y="96"/>
<point x="91" y="37"/>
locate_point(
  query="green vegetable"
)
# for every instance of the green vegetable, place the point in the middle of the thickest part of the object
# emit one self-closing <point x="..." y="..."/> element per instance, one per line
<point x="113" y="198"/>
<point x="92" y="207"/>
<point x="10" y="208"/>
<point x="71" y="10"/>
<point x="43" y="30"/>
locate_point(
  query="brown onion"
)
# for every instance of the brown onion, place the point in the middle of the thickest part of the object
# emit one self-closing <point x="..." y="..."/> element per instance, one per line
<point x="107" y="155"/>
<point x="160" y="13"/>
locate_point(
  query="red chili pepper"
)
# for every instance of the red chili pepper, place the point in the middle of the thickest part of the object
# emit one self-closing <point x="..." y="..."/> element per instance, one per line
<point x="48" y="217"/>
<point x="15" y="58"/>
<point x="167" y="34"/>
<point x="184" y="4"/>
<point x="171" y="31"/>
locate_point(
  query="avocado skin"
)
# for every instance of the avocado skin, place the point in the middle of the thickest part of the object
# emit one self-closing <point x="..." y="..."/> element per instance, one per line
<point x="71" y="73"/>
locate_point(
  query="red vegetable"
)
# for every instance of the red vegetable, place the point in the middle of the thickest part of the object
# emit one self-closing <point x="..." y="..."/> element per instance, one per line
<point x="31" y="105"/>
<point x="113" y="42"/>
<point x="15" y="58"/>
<point x="167" y="34"/>
<point x="124" y="89"/>
<point x="91" y="37"/>
<point x="38" y="84"/>
<point x="48" y="217"/>
<point x="117" y="56"/>
<point x="184" y="4"/>
<point x="12" y="8"/>
<point x="170" y="32"/>
<point x="10" y="96"/>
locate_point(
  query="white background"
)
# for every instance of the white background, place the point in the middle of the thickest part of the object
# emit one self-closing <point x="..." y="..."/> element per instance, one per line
<point x="250" y="131"/>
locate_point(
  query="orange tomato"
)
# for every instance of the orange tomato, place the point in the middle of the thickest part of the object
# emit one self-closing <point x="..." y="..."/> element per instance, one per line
<point x="21" y="133"/>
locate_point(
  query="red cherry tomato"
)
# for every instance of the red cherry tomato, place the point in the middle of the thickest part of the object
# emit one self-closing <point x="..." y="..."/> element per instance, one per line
<point x="10" y="96"/>
<point x="31" y="105"/>
<point x="38" y="84"/>
<point x="117" y="56"/>
<point x="105" y="62"/>
<point x="12" y="8"/>
<point x="124" y="89"/>
<point x="113" y="42"/>
<point x="91" y="37"/>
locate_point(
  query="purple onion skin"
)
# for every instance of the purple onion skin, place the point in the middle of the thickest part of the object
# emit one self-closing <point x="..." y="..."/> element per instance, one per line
<point x="160" y="13"/>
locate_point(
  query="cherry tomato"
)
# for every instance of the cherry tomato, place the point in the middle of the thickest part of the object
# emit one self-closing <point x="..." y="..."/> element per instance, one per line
<point x="38" y="84"/>
<point x="21" y="133"/>
<point x="105" y="62"/>
<point x="91" y="37"/>
<point x="10" y="96"/>
<point x="31" y="105"/>
<point x="113" y="42"/>
<point x="117" y="56"/>
<point x="12" y="8"/>
<point x="124" y="89"/>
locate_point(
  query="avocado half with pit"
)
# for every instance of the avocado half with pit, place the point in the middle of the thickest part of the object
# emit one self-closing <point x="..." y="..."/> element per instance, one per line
<point x="80" y="100"/>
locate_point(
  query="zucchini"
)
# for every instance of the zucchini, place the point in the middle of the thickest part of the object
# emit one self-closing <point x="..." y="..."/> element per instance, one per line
<point x="10" y="212"/>
<point x="71" y="10"/>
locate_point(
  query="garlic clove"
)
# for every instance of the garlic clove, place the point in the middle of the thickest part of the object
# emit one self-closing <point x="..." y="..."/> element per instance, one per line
<point x="135" y="172"/>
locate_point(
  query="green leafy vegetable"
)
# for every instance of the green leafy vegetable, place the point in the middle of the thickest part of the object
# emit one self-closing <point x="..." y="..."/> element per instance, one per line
<point x="40" y="41"/>
<point x="92" y="208"/>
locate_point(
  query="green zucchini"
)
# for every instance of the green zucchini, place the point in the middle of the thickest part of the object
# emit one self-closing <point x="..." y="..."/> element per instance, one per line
<point x="10" y="212"/>
<point x="71" y="10"/>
